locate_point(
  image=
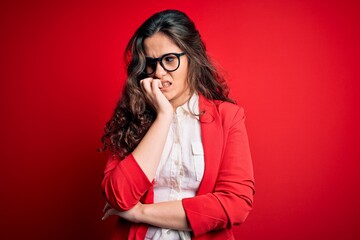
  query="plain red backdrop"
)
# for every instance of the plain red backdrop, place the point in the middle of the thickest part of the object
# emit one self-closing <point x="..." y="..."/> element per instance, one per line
<point x="293" y="65"/>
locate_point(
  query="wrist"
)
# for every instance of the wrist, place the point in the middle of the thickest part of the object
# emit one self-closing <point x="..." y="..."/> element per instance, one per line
<point x="165" y="116"/>
<point x="136" y="214"/>
<point x="141" y="214"/>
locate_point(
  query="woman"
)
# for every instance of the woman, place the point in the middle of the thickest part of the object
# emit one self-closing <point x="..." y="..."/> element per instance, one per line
<point x="181" y="166"/>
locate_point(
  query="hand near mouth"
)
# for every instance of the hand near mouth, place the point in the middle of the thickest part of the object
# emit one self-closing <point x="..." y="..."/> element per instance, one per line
<point x="152" y="90"/>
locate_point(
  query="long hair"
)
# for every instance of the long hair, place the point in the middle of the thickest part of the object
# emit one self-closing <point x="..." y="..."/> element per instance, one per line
<point x="133" y="116"/>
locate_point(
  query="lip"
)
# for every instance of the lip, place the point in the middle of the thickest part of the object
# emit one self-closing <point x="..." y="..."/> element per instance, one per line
<point x="165" y="85"/>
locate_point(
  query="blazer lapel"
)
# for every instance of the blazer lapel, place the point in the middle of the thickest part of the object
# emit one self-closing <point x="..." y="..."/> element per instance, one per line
<point x="212" y="140"/>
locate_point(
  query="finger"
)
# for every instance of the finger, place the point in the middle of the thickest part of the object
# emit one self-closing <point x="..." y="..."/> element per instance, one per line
<point x="146" y="84"/>
<point x="107" y="214"/>
<point x="106" y="207"/>
<point x="155" y="85"/>
<point x="141" y="83"/>
<point x="104" y="217"/>
<point x="146" y="87"/>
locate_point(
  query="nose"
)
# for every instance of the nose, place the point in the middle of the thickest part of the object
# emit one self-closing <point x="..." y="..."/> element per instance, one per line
<point x="160" y="71"/>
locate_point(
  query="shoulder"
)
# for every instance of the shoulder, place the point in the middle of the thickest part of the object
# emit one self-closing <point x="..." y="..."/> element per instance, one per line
<point x="225" y="110"/>
<point x="231" y="114"/>
<point x="229" y="108"/>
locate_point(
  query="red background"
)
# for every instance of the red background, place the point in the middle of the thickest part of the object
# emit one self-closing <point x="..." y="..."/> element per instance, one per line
<point x="293" y="65"/>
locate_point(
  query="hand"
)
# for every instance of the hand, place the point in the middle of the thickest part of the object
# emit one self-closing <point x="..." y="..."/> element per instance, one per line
<point x="131" y="215"/>
<point x="155" y="97"/>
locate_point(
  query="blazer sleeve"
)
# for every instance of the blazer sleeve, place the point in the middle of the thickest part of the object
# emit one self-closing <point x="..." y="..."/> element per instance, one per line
<point x="231" y="201"/>
<point x="124" y="182"/>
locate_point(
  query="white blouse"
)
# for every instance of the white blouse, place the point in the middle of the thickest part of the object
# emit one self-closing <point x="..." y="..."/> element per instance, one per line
<point x="181" y="167"/>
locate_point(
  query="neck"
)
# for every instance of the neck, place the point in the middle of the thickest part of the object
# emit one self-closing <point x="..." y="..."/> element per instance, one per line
<point x="180" y="101"/>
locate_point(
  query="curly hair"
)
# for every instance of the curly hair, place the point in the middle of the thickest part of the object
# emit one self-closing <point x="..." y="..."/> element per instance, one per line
<point x="132" y="116"/>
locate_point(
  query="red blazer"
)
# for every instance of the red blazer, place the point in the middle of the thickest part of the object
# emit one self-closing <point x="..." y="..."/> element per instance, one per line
<point x="225" y="194"/>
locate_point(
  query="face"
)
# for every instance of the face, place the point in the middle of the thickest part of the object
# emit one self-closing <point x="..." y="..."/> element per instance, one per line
<point x="175" y="85"/>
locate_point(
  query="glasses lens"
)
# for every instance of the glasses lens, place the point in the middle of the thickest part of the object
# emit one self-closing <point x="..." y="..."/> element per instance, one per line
<point x="150" y="66"/>
<point x="170" y="62"/>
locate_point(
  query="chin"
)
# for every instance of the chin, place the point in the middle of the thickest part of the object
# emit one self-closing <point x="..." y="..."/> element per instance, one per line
<point x="168" y="96"/>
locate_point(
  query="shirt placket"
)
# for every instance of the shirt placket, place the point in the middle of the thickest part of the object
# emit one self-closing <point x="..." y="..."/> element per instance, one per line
<point x="176" y="156"/>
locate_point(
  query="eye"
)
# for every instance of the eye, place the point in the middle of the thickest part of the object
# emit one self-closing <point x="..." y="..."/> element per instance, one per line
<point x="169" y="59"/>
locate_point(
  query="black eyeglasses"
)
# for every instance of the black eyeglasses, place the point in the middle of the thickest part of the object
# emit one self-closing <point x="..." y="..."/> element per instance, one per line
<point x="169" y="62"/>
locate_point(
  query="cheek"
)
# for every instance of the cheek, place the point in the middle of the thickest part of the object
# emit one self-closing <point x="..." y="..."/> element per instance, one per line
<point x="184" y="76"/>
<point x="182" y="80"/>
<point x="179" y="78"/>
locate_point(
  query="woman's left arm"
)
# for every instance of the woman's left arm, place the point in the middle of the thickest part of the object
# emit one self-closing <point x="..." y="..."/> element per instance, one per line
<point x="231" y="201"/>
<point x="169" y="215"/>
<point x="228" y="205"/>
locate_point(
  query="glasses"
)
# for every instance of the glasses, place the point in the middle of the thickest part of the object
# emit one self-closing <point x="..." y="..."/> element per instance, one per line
<point x="170" y="62"/>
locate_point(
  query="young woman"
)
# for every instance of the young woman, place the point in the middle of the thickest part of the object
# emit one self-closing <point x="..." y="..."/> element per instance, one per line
<point x="180" y="165"/>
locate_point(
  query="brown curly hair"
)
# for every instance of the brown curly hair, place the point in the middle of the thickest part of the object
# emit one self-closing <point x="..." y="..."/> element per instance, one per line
<point x="133" y="116"/>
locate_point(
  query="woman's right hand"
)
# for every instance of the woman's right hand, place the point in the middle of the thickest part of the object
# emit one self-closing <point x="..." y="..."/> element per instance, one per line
<point x="155" y="97"/>
<point x="148" y="152"/>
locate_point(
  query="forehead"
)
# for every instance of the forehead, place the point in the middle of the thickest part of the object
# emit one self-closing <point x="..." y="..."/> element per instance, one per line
<point x="159" y="44"/>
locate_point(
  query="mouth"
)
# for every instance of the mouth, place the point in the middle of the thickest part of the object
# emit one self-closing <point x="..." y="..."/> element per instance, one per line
<point x="166" y="84"/>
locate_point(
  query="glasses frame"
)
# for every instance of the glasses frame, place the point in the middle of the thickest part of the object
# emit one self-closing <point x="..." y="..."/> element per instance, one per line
<point x="159" y="59"/>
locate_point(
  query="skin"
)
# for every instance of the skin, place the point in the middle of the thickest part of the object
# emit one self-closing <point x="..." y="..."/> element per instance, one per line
<point x="165" y="91"/>
<point x="178" y="92"/>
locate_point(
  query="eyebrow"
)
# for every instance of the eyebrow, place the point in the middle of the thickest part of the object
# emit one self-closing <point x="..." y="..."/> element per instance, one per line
<point x="158" y="58"/>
